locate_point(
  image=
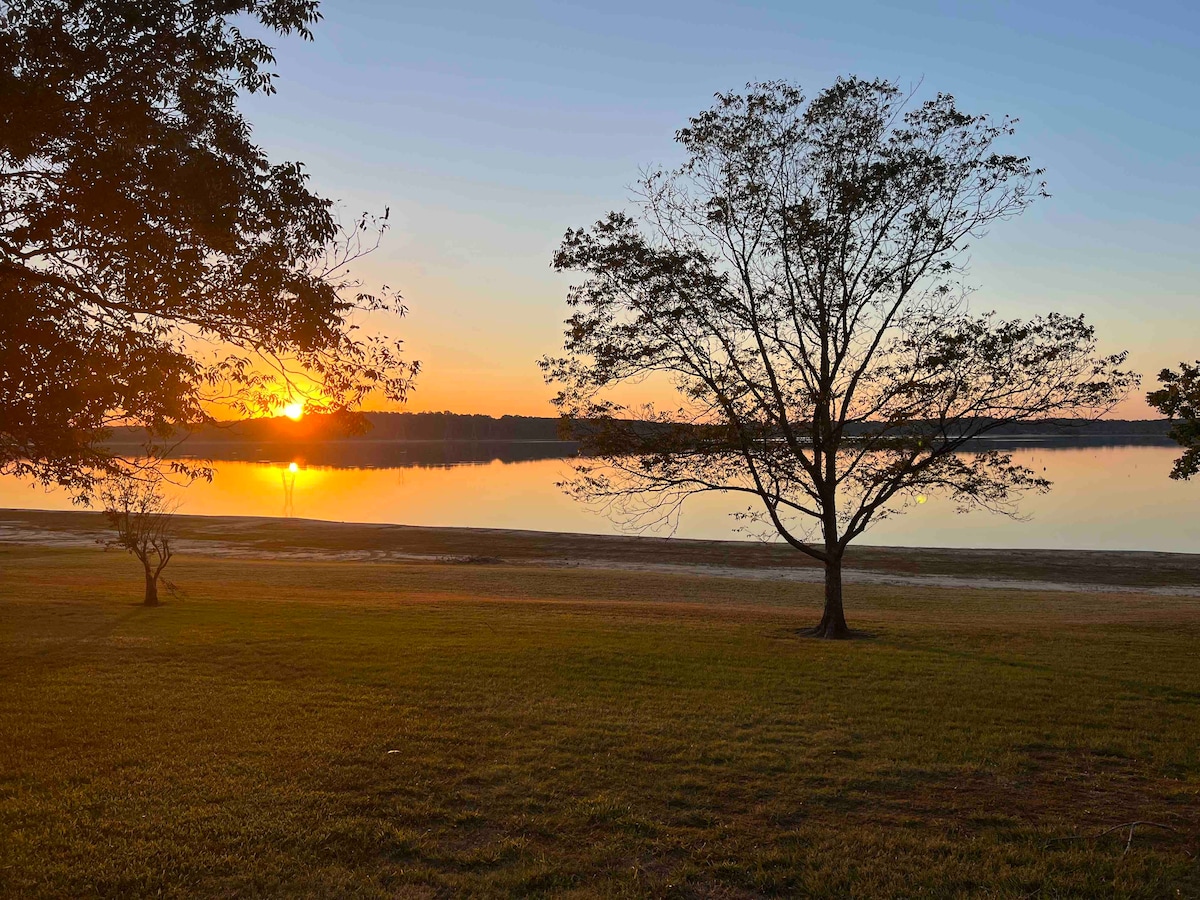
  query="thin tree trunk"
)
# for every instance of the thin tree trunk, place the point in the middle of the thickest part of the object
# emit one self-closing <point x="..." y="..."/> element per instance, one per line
<point x="151" y="588"/>
<point x="833" y="620"/>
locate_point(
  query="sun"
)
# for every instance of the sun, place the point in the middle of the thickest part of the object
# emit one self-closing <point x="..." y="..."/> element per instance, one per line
<point x="294" y="411"/>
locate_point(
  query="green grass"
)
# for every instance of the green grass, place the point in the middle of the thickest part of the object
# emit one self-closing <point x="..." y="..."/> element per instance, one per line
<point x="570" y="732"/>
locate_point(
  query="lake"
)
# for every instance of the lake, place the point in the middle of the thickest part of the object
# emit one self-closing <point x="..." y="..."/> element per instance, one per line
<point x="1106" y="497"/>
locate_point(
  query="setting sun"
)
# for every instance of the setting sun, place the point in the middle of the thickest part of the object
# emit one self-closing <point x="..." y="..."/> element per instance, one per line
<point x="294" y="411"/>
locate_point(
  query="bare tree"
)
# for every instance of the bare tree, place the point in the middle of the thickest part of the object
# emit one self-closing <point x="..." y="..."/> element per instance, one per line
<point x="142" y="518"/>
<point x="799" y="282"/>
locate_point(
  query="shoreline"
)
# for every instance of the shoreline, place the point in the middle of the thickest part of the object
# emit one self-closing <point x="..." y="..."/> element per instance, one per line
<point x="1126" y="571"/>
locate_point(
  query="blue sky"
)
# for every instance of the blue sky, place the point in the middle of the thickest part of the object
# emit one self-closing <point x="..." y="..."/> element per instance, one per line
<point x="490" y="128"/>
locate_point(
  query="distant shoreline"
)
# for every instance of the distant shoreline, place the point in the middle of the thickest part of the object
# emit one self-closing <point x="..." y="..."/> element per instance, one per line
<point x="370" y="452"/>
<point x="450" y="427"/>
<point x="1032" y="437"/>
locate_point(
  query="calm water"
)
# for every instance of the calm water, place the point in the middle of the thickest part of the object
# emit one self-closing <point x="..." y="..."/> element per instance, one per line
<point x="1113" y="497"/>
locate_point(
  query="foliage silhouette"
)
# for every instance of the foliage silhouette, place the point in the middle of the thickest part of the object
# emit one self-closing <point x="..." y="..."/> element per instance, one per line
<point x="798" y="280"/>
<point x="153" y="261"/>
<point x="1179" y="400"/>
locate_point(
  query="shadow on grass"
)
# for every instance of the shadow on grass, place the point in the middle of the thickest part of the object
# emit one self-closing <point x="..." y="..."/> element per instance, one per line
<point x="816" y="633"/>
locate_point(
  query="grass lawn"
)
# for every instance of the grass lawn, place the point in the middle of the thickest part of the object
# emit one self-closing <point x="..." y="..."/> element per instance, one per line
<point x="296" y="728"/>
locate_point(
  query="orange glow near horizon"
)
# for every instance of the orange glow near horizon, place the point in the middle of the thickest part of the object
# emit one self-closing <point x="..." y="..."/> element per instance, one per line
<point x="294" y="411"/>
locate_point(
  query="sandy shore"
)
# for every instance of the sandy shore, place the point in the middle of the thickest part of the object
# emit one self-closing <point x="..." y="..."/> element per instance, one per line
<point x="1073" y="570"/>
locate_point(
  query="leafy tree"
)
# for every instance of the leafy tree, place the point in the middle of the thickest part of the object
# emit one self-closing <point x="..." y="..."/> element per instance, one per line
<point x="141" y="516"/>
<point x="798" y="281"/>
<point x="1179" y="399"/>
<point x="153" y="260"/>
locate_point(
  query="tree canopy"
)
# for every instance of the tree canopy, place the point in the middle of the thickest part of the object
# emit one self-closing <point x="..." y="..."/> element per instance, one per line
<point x="153" y="260"/>
<point x="798" y="279"/>
<point x="1179" y="400"/>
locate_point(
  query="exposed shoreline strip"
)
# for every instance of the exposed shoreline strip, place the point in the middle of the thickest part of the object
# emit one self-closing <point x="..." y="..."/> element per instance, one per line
<point x="1176" y="574"/>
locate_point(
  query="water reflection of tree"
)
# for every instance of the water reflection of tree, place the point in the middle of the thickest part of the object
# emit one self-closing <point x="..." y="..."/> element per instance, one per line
<point x="288" y="477"/>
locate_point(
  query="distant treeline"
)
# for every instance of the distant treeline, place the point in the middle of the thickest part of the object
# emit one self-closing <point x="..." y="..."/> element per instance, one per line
<point x="1114" y="428"/>
<point x="444" y="426"/>
<point x="452" y="427"/>
<point x="375" y="426"/>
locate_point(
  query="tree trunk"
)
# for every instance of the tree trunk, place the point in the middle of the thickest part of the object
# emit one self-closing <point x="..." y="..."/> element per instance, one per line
<point x="151" y="589"/>
<point x="833" y="620"/>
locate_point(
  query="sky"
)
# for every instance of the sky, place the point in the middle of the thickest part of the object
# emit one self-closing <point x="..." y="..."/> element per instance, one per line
<point x="490" y="128"/>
